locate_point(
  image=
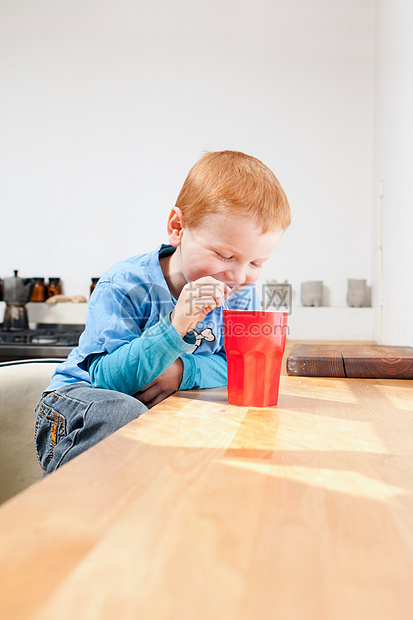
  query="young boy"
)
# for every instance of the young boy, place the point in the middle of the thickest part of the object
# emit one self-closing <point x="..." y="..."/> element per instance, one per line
<point x="154" y="324"/>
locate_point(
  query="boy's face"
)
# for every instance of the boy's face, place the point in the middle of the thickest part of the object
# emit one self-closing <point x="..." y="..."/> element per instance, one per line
<point x="230" y="249"/>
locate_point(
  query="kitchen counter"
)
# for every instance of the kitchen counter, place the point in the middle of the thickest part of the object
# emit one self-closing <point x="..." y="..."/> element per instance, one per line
<point x="204" y="510"/>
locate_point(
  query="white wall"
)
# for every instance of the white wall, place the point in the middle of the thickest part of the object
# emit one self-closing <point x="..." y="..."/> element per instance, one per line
<point x="105" y="105"/>
<point x="394" y="166"/>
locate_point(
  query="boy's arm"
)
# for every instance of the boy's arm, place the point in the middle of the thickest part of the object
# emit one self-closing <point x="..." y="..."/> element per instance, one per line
<point x="134" y="365"/>
<point x="204" y="371"/>
<point x="186" y="373"/>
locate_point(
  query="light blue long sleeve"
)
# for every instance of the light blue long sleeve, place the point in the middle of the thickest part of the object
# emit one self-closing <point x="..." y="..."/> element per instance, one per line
<point x="204" y="371"/>
<point x="135" y="364"/>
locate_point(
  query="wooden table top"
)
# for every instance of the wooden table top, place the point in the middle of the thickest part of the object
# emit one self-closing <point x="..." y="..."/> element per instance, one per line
<point x="361" y="361"/>
<point x="203" y="510"/>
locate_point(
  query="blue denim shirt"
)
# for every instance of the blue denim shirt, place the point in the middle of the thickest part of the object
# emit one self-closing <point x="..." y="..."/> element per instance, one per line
<point x="129" y="314"/>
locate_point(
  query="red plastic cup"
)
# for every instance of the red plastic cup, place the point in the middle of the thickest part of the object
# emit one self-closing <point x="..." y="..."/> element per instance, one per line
<point x="254" y="343"/>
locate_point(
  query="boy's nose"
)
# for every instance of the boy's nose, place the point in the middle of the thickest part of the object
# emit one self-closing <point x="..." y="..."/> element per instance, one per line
<point x="236" y="275"/>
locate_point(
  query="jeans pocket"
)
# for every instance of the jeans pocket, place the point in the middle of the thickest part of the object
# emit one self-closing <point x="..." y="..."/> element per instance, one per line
<point x="50" y="428"/>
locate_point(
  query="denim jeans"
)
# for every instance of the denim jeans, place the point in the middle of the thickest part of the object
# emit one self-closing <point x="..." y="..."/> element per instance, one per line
<point x="75" y="417"/>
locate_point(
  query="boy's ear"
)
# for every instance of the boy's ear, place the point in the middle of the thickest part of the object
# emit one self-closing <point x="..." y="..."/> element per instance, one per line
<point x="175" y="226"/>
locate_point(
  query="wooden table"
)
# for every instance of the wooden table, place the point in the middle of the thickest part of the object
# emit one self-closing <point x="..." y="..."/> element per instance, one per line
<point x="202" y="510"/>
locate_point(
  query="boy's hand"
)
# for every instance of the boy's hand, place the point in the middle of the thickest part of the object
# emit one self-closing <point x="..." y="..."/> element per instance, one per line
<point x="163" y="386"/>
<point x="195" y="301"/>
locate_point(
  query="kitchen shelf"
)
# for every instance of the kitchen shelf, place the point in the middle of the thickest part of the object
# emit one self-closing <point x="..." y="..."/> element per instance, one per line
<point x="332" y="323"/>
<point x="304" y="323"/>
<point x="63" y="312"/>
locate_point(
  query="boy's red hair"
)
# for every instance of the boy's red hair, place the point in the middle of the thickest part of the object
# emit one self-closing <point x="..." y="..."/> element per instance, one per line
<point x="234" y="183"/>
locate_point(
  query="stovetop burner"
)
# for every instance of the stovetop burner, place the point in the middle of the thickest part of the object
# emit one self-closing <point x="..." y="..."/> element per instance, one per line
<point x="44" y="334"/>
<point x="46" y="340"/>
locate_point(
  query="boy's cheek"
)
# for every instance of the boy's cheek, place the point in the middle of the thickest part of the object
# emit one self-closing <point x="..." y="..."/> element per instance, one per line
<point x="202" y="269"/>
<point x="253" y="279"/>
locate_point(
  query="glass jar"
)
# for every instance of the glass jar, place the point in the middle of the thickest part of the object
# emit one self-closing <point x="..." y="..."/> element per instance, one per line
<point x="54" y="287"/>
<point x="39" y="290"/>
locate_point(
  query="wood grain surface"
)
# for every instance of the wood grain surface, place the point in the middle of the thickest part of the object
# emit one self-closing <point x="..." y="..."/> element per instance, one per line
<point x="202" y="510"/>
<point x="356" y="360"/>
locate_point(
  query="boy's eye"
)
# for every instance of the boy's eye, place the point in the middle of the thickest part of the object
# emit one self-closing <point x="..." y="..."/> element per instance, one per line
<point x="257" y="265"/>
<point x="223" y="257"/>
